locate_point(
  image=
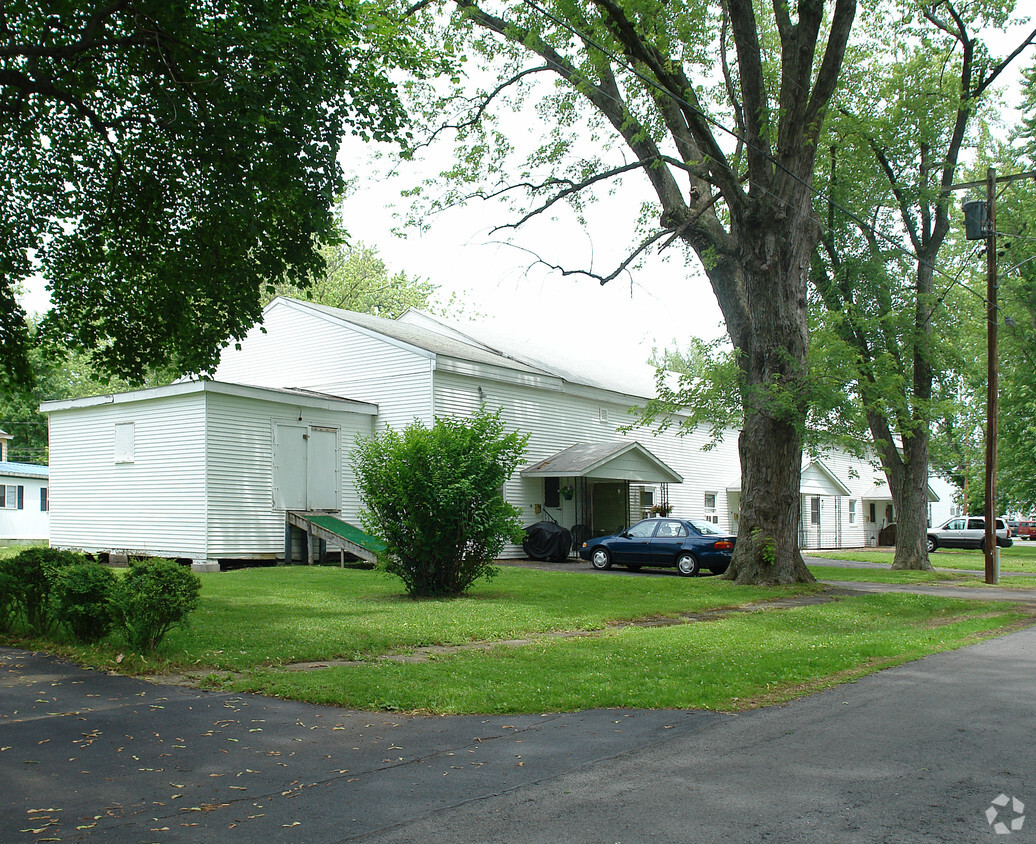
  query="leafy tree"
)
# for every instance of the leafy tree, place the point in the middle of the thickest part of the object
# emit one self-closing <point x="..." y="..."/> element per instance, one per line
<point x="434" y="495"/>
<point x="159" y="162"/>
<point x="355" y="278"/>
<point x="718" y="107"/>
<point x="894" y="145"/>
<point x="1016" y="265"/>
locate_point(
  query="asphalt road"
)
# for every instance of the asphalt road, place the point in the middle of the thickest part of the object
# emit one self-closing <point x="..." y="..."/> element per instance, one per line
<point x="913" y="754"/>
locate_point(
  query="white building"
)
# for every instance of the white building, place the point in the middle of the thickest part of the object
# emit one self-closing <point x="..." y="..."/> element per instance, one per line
<point x="207" y="470"/>
<point x="24" y="500"/>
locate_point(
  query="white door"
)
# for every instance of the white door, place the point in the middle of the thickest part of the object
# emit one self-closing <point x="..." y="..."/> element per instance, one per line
<point x="322" y="471"/>
<point x="305" y="467"/>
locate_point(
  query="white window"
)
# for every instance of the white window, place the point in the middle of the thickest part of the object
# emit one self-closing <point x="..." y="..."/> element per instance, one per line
<point x="814" y="510"/>
<point x="124" y="442"/>
<point x="12" y="497"/>
<point x="852" y="511"/>
<point x="710" y="508"/>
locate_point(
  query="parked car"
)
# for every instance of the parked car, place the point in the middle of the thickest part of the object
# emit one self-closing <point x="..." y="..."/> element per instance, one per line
<point x="1026" y="529"/>
<point x="966" y="532"/>
<point x="690" y="545"/>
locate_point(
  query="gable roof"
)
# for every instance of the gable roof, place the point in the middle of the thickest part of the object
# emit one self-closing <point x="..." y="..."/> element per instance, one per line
<point x="818" y="479"/>
<point x="621" y="461"/>
<point x="416" y="336"/>
<point x="436" y="336"/>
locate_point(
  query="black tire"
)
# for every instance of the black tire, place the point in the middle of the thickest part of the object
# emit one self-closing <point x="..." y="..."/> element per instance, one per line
<point x="933" y="544"/>
<point x="633" y="566"/>
<point x="600" y="559"/>
<point x="687" y="564"/>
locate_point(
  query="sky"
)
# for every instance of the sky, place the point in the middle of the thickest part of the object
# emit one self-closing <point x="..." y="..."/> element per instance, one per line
<point x="504" y="287"/>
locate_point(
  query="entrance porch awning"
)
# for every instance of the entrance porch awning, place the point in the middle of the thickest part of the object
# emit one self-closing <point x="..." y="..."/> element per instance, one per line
<point x="628" y="461"/>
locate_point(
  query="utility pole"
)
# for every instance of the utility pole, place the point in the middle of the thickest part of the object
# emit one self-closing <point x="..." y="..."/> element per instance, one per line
<point x="981" y="221"/>
<point x="992" y="379"/>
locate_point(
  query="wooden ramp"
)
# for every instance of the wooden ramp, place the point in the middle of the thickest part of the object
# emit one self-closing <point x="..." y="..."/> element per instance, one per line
<point x="333" y="531"/>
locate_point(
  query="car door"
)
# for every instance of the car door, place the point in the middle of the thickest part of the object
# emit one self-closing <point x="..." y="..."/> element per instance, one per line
<point x="951" y="534"/>
<point x="975" y="534"/>
<point x="634" y="545"/>
<point x="669" y="538"/>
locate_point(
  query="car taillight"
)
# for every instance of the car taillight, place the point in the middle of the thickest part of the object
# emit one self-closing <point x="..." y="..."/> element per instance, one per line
<point x="723" y="545"/>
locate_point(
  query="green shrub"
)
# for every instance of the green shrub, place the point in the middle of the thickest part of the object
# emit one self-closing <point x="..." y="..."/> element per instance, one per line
<point x="152" y="598"/>
<point x="9" y="606"/>
<point x="31" y="573"/>
<point x="434" y="496"/>
<point x="81" y="599"/>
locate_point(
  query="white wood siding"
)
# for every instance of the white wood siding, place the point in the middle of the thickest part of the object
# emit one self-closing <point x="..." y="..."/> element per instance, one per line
<point x="305" y="350"/>
<point x="558" y="418"/>
<point x="243" y="521"/>
<point x="29" y="523"/>
<point x="154" y="505"/>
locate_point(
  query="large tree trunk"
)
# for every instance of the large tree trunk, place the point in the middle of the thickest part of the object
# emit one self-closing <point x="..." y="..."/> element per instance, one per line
<point x="907" y="474"/>
<point x="770" y="336"/>
<point x="767" y="549"/>
<point x="911" y="500"/>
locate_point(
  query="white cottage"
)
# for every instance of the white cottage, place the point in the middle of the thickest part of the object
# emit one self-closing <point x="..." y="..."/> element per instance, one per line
<point x="199" y="470"/>
<point x="209" y="468"/>
<point x="24" y="503"/>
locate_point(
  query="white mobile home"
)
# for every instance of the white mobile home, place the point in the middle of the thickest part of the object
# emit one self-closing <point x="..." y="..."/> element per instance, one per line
<point x="206" y="468"/>
<point x="24" y="503"/>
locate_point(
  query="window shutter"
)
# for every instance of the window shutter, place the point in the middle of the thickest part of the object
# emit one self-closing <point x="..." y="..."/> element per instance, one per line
<point x="21" y="497"/>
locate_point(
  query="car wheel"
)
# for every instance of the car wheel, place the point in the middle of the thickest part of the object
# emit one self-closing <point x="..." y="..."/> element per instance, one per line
<point x="687" y="565"/>
<point x="633" y="567"/>
<point x="600" y="559"/>
<point x="932" y="544"/>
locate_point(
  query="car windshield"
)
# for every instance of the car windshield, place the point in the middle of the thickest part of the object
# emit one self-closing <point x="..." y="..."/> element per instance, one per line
<point x="706" y="527"/>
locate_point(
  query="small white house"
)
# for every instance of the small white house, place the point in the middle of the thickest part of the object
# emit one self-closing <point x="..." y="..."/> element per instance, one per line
<point x="24" y="500"/>
<point x="199" y="470"/>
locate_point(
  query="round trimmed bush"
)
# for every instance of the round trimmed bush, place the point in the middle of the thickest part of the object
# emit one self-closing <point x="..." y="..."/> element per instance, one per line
<point x="31" y="574"/>
<point x="153" y="597"/>
<point x="81" y="599"/>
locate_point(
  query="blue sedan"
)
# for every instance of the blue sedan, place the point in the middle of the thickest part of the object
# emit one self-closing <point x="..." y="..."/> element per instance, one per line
<point x="690" y="545"/>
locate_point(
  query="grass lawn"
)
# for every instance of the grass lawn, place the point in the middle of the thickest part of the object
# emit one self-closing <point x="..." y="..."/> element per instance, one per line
<point x="534" y="641"/>
<point x="1020" y="557"/>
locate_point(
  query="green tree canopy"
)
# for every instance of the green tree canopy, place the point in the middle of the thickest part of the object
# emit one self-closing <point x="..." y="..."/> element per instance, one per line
<point x="160" y="162"/>
<point x="356" y="278"/>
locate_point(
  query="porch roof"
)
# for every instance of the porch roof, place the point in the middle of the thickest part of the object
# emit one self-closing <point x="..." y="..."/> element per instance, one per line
<point x="628" y="461"/>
